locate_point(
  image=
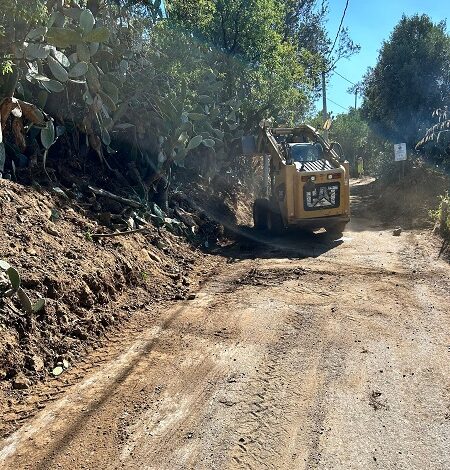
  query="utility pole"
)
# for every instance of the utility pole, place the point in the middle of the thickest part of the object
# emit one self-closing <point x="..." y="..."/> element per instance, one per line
<point x="356" y="97"/>
<point x="324" y="109"/>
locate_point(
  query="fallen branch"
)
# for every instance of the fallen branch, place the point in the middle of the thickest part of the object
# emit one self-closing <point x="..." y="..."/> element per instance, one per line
<point x="118" y="234"/>
<point x="123" y="200"/>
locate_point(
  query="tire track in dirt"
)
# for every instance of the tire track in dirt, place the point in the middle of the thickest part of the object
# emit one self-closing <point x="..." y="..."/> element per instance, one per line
<point x="279" y="363"/>
<point x="175" y="435"/>
<point x="270" y="409"/>
<point x="90" y="396"/>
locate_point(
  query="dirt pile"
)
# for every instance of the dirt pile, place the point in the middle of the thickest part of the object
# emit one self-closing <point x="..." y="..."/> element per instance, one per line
<point x="409" y="201"/>
<point x="90" y="284"/>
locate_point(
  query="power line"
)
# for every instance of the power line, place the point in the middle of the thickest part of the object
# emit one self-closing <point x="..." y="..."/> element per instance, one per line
<point x="339" y="29"/>
<point x="346" y="79"/>
<point x="337" y="104"/>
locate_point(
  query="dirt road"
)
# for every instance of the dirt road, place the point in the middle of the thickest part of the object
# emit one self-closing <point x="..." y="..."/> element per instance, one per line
<point x="314" y="354"/>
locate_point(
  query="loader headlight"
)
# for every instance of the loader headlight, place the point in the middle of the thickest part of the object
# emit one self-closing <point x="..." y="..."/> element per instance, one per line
<point x="307" y="178"/>
<point x="334" y="176"/>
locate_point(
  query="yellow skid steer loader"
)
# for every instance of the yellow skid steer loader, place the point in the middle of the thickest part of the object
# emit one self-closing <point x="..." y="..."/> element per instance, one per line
<point x="306" y="181"/>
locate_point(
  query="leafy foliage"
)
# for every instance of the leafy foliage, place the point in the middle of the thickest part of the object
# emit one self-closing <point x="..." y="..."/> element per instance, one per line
<point x="352" y="131"/>
<point x="145" y="89"/>
<point x="305" y="25"/>
<point x="254" y="60"/>
<point x="436" y="142"/>
<point x="409" y="81"/>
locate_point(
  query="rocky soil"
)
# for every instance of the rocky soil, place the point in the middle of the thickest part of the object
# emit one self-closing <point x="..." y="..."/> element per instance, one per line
<point x="91" y="285"/>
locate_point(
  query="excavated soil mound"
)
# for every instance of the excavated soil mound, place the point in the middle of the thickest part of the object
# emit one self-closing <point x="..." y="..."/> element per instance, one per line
<point x="409" y="201"/>
<point x="89" y="284"/>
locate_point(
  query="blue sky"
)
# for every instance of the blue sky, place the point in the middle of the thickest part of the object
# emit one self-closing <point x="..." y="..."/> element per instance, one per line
<point x="370" y="22"/>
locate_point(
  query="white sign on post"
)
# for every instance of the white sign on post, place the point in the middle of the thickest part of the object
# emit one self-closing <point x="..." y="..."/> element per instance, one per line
<point x="400" y="152"/>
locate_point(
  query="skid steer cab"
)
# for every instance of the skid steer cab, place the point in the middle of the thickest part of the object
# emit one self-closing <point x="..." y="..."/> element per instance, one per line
<point x="306" y="181"/>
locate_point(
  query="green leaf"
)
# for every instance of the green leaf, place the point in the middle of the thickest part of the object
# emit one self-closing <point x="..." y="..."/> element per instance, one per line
<point x="87" y="20"/>
<point x="83" y="53"/>
<point x="194" y="142"/>
<point x="36" y="51"/>
<point x="73" y="13"/>
<point x="87" y="97"/>
<point x="14" y="278"/>
<point x="205" y="99"/>
<point x="73" y="59"/>
<point x="48" y="135"/>
<point x="111" y="90"/>
<point x="78" y="82"/>
<point x="108" y="123"/>
<point x="24" y="300"/>
<point x="106" y="138"/>
<point x="231" y="116"/>
<point x="36" y="33"/>
<point x="38" y="305"/>
<point x="92" y="78"/>
<point x="124" y="126"/>
<point x="180" y="154"/>
<point x="186" y="126"/>
<point x="40" y="116"/>
<point x="58" y="71"/>
<point x="56" y="19"/>
<point x="93" y="48"/>
<point x="61" y="58"/>
<point x="104" y="56"/>
<point x="63" y="37"/>
<point x="209" y="142"/>
<point x="107" y="101"/>
<point x="54" y="85"/>
<point x="39" y="77"/>
<point x="197" y="117"/>
<point x="78" y="70"/>
<point x="158" y="211"/>
<point x="123" y="65"/>
<point x="97" y="35"/>
<point x="219" y="133"/>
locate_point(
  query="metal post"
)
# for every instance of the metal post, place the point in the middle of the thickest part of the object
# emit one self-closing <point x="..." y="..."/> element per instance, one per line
<point x="324" y="109"/>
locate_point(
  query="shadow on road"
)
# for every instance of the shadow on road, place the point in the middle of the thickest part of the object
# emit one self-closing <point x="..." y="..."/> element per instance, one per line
<point x="250" y="244"/>
<point x="293" y="243"/>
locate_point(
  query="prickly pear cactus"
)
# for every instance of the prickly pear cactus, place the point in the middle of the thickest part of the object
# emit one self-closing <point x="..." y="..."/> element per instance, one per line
<point x="10" y="284"/>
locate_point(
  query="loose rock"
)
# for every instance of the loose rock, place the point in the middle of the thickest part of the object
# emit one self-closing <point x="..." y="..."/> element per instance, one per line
<point x="20" y="382"/>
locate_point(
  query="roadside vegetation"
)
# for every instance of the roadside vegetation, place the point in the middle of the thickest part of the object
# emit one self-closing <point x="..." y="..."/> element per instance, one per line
<point x="146" y="87"/>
